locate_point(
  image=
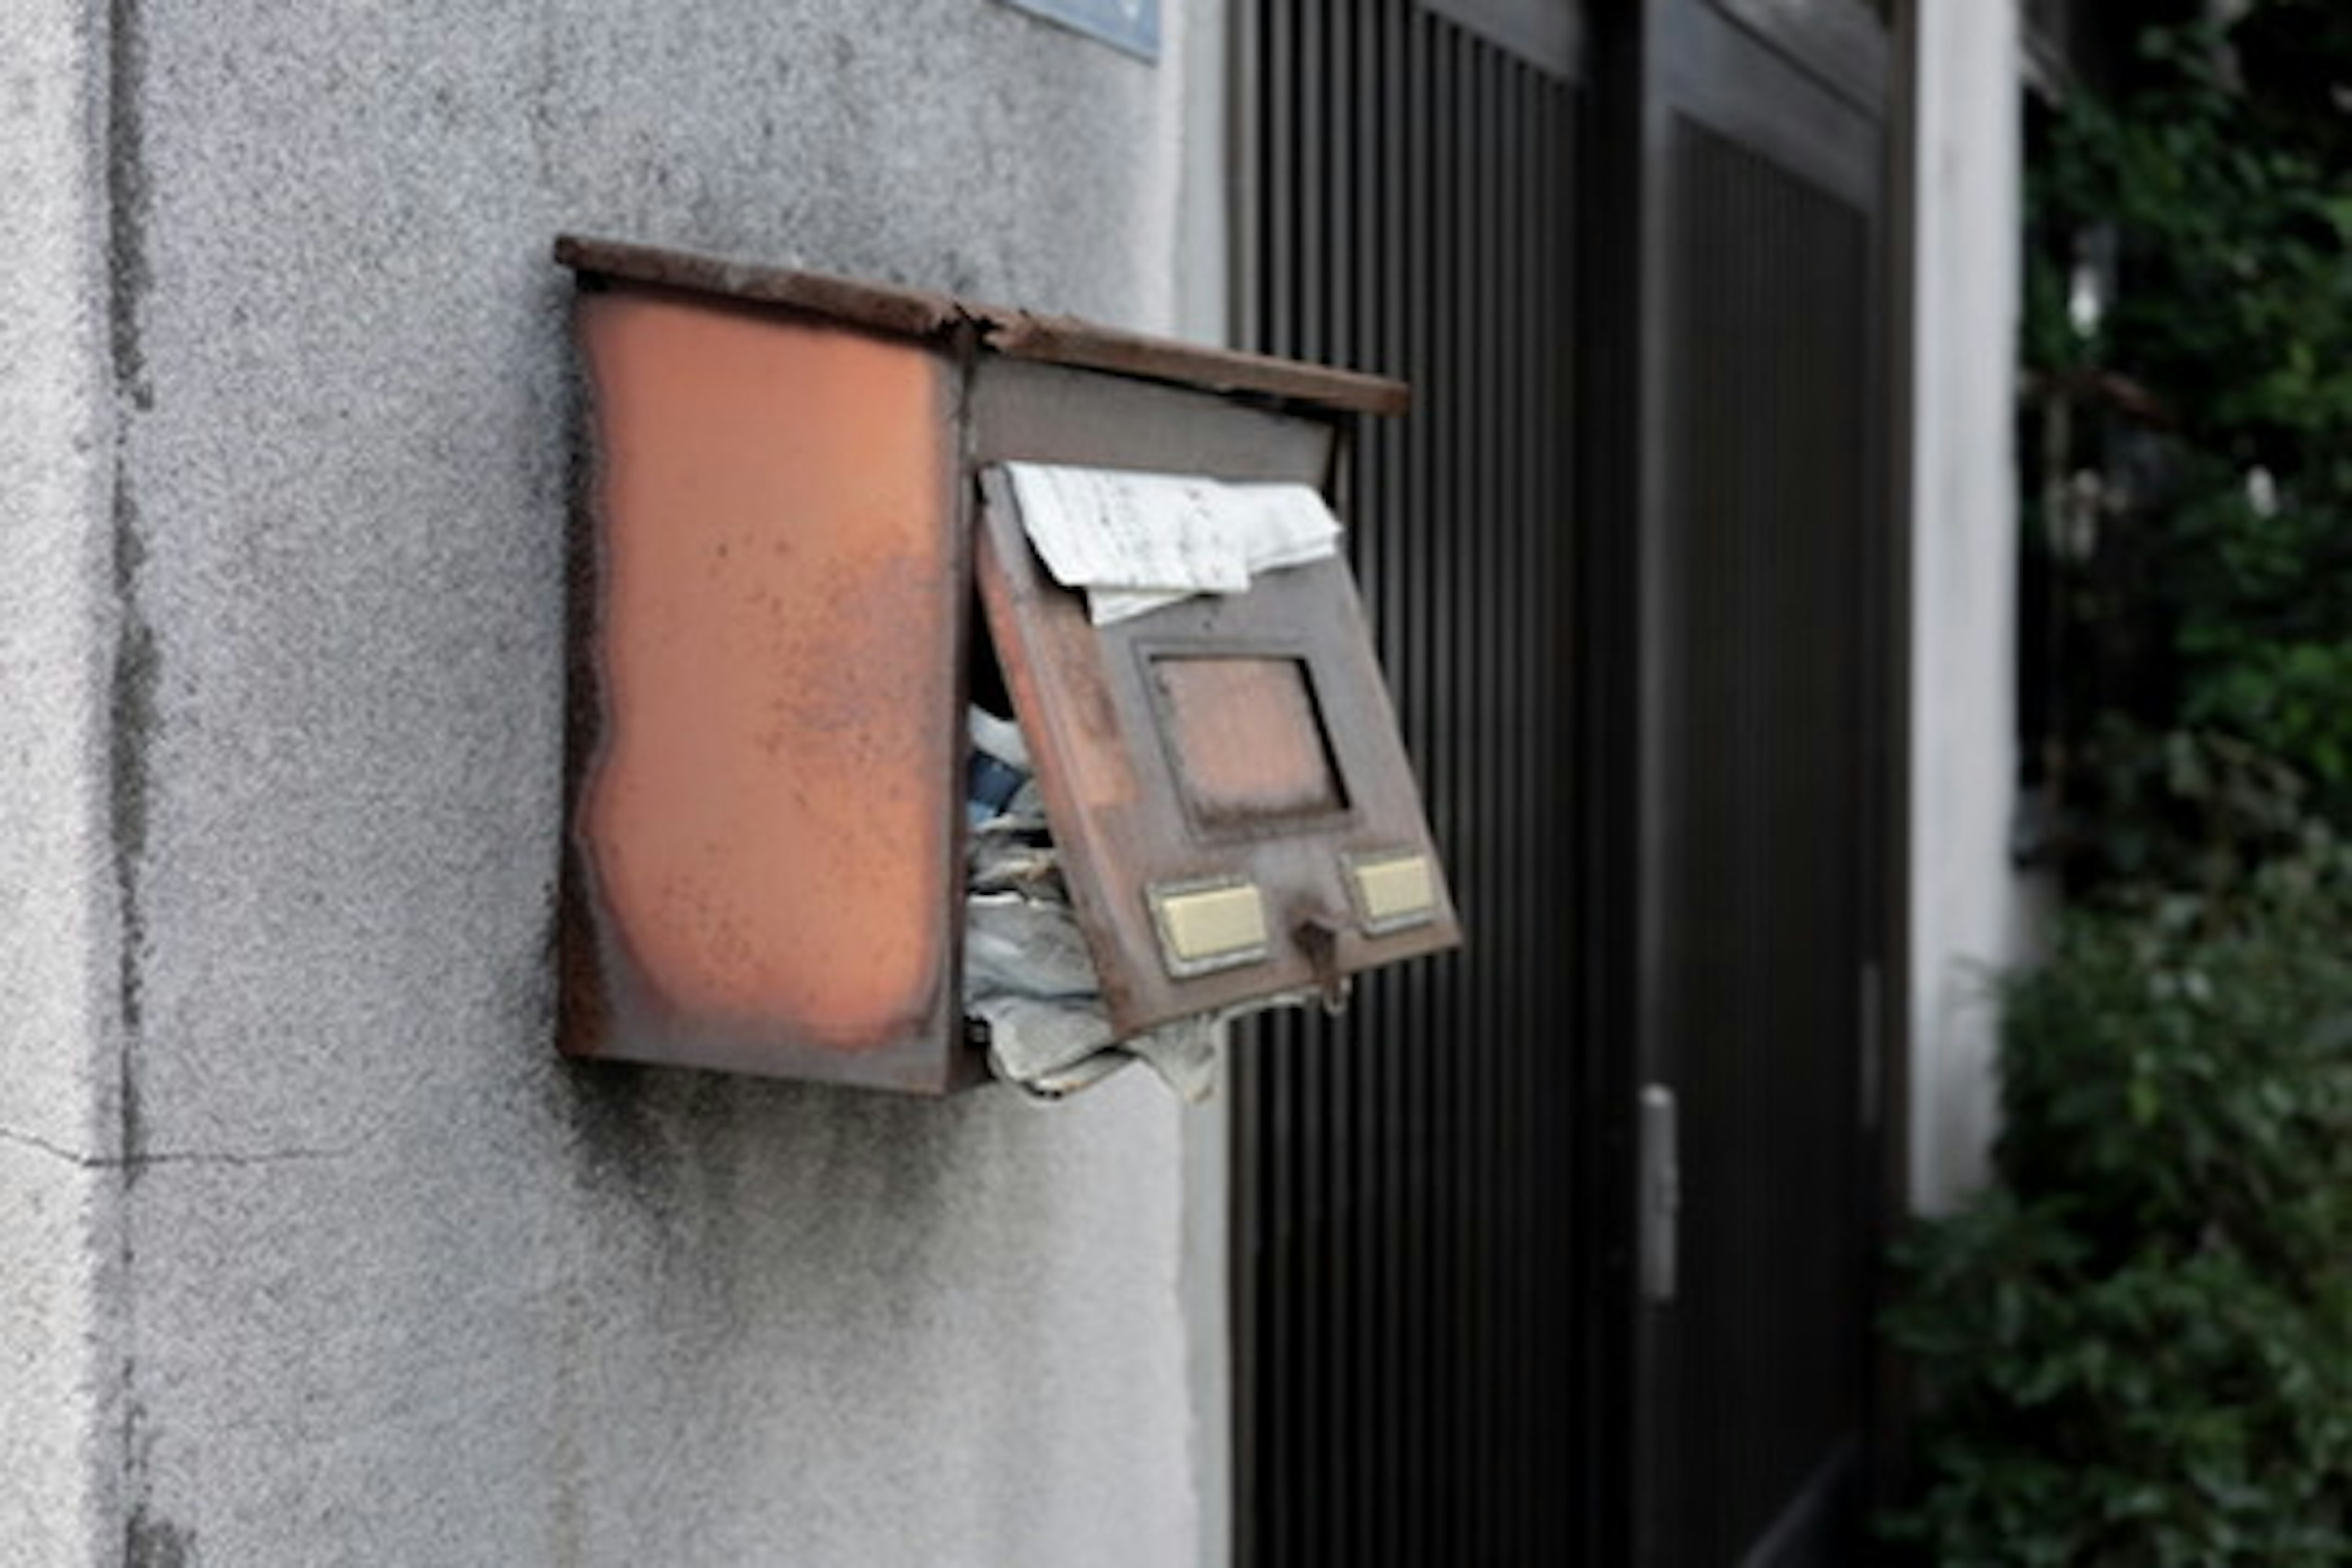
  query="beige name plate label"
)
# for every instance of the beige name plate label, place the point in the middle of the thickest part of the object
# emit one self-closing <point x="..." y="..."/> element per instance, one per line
<point x="1393" y="891"/>
<point x="1209" y="925"/>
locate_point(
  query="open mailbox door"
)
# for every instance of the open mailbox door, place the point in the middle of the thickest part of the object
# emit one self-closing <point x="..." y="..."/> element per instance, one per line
<point x="1225" y="779"/>
<point x="799" y="486"/>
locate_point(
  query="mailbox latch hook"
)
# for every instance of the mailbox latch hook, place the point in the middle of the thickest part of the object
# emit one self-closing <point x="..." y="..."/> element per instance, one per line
<point x="1319" y="939"/>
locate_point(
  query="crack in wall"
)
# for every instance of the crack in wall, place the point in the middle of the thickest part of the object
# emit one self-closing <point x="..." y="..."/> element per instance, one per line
<point x="167" y="1156"/>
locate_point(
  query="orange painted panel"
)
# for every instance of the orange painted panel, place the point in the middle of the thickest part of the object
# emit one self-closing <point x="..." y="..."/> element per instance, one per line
<point x="766" y="825"/>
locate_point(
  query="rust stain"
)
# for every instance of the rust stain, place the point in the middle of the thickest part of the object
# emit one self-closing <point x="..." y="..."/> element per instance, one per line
<point x="1061" y="340"/>
<point x="1017" y="334"/>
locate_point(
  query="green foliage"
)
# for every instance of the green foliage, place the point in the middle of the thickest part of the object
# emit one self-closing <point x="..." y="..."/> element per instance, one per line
<point x="2263" y="621"/>
<point x="2194" y="814"/>
<point x="2236" y="302"/>
<point x="2135" y="1347"/>
<point x="2138" y="1344"/>
<point x="2220" y="178"/>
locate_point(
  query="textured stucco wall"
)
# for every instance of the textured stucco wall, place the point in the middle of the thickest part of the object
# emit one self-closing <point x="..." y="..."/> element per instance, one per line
<point x="1971" y="914"/>
<point x="367" y="1274"/>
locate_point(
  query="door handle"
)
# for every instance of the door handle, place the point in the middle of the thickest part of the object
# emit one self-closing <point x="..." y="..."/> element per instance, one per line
<point x="1661" y="1193"/>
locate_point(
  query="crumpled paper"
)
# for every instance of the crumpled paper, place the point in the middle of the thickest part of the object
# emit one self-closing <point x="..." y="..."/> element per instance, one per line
<point x="1133" y="541"/>
<point x="1028" y="974"/>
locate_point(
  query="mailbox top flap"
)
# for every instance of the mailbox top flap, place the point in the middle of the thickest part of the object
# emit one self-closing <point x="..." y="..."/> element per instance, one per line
<point x="1236" y="815"/>
<point x="899" y="311"/>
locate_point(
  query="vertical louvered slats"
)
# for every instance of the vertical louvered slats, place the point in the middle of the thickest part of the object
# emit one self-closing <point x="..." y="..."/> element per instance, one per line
<point x="1768" y="455"/>
<point x="1408" y="1187"/>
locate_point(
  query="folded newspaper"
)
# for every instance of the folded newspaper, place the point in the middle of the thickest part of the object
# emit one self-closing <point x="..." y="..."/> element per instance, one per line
<point x="1134" y="542"/>
<point x="1027" y="973"/>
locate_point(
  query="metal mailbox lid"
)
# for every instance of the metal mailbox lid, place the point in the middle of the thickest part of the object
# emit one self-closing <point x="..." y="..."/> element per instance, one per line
<point x="764" y="869"/>
<point x="1001" y="331"/>
<point x="1233" y="802"/>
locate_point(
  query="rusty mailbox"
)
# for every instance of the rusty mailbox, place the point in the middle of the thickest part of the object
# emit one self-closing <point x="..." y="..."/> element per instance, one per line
<point x="801" y="547"/>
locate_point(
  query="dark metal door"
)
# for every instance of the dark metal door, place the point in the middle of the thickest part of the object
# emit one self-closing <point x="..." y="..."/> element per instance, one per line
<point x="1756" y="754"/>
<point x="1646" y="699"/>
<point x="1407" y="1232"/>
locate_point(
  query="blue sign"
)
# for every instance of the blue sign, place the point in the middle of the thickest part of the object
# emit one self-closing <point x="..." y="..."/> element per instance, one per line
<point x="1129" y="24"/>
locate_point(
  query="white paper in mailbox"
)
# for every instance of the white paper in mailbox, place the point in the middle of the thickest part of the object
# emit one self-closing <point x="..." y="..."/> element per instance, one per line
<point x="1137" y="541"/>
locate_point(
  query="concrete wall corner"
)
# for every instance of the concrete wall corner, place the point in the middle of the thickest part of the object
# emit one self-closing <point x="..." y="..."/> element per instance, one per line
<point x="62" y="969"/>
<point x="1973" y="913"/>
